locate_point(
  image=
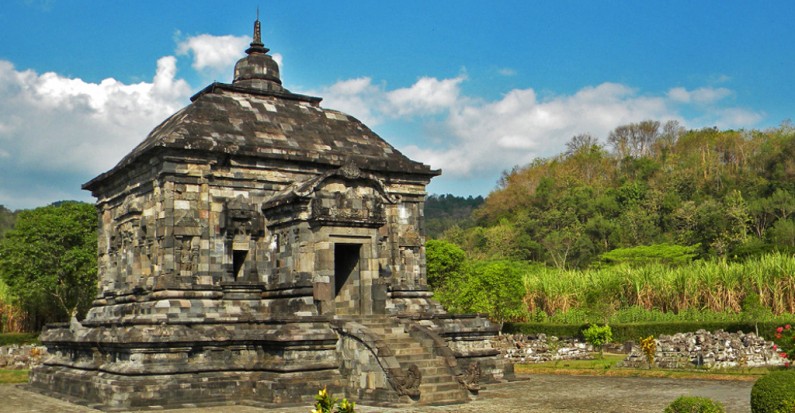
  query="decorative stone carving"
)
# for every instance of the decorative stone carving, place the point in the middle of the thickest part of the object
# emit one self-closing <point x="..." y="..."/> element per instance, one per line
<point x="409" y="384"/>
<point x="242" y="219"/>
<point x="471" y="377"/>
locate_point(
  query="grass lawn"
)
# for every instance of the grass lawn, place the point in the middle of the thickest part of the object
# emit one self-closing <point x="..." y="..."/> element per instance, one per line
<point x="13" y="376"/>
<point x="607" y="366"/>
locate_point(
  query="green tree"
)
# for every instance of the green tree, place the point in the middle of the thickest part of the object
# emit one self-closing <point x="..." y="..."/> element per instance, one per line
<point x="49" y="260"/>
<point x="495" y="288"/>
<point x="782" y="234"/>
<point x="444" y="261"/>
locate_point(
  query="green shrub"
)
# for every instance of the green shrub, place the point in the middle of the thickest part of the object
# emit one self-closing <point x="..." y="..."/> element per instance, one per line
<point x="690" y="404"/>
<point x="444" y="261"/>
<point x="598" y="336"/>
<point x="774" y="393"/>
<point x="494" y="288"/>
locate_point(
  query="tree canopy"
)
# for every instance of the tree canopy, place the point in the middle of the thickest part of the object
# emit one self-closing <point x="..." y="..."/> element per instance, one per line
<point x="49" y="260"/>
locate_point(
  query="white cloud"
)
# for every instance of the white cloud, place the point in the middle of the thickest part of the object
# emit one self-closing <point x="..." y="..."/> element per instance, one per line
<point x="702" y="96"/>
<point x="54" y="128"/>
<point x="506" y="71"/>
<point x="89" y="125"/>
<point x="373" y="104"/>
<point x="479" y="137"/>
<point x="427" y="95"/>
<point x="215" y="54"/>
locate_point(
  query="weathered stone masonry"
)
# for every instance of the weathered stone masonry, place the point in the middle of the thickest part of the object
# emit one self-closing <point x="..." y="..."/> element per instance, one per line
<point x="254" y="248"/>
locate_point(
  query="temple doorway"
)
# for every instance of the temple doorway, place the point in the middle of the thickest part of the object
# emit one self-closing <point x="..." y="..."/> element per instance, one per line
<point x="347" y="279"/>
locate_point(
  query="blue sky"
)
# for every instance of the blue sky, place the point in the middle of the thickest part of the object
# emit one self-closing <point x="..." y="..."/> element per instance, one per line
<point x="470" y="87"/>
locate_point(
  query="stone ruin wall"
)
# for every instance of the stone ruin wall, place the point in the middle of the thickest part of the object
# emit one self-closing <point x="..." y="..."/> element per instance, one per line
<point x="718" y="349"/>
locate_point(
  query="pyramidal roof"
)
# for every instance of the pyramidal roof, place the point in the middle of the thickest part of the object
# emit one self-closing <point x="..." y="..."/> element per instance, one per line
<point x="256" y="116"/>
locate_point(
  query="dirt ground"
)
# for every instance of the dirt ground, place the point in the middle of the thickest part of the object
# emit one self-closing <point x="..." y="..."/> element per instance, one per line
<point x="535" y="393"/>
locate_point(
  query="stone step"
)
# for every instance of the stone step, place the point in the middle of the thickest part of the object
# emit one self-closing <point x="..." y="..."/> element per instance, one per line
<point x="422" y="363"/>
<point x="438" y="378"/>
<point x="409" y="351"/>
<point x="443" y="397"/>
<point x="440" y="387"/>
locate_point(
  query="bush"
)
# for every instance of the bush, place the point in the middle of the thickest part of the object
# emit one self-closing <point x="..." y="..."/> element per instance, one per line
<point x="444" y="261"/>
<point x="689" y="404"/>
<point x="598" y="336"/>
<point x="493" y="288"/>
<point x="785" y="340"/>
<point x="774" y="393"/>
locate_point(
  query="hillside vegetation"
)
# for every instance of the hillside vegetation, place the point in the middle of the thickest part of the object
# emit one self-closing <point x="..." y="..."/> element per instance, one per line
<point x="660" y="220"/>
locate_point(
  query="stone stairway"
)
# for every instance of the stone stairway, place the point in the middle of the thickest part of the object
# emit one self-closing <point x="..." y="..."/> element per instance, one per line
<point x="438" y="385"/>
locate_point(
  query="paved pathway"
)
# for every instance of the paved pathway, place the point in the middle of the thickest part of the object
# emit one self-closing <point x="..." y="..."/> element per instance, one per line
<point x="536" y="393"/>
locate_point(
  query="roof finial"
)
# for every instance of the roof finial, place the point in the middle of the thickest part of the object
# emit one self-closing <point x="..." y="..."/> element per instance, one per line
<point x="257" y="46"/>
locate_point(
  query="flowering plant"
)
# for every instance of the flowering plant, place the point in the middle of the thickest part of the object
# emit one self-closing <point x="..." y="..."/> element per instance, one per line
<point x="649" y="347"/>
<point x="785" y="343"/>
<point x="325" y="403"/>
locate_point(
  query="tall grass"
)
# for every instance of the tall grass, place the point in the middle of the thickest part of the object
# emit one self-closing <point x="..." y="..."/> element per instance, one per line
<point x="702" y="287"/>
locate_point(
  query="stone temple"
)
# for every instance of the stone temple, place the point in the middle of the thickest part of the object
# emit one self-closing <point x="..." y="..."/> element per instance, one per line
<point x="254" y="248"/>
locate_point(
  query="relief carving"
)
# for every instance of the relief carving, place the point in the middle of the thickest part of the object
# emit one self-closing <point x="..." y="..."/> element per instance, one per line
<point x="242" y="219"/>
<point x="471" y="377"/>
<point x="409" y="384"/>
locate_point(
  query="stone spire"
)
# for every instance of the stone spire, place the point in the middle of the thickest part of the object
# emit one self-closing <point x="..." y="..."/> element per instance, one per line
<point x="258" y="70"/>
<point x="257" y="46"/>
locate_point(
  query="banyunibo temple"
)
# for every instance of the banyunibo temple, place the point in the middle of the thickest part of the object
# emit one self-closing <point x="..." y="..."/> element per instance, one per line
<point x="254" y="248"/>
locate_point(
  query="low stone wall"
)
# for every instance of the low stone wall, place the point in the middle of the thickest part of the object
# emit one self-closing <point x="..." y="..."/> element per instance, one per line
<point x="523" y="348"/>
<point x="710" y="350"/>
<point x="16" y="357"/>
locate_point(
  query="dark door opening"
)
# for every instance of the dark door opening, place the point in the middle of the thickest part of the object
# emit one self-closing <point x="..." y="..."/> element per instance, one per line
<point x="238" y="258"/>
<point x="346" y="263"/>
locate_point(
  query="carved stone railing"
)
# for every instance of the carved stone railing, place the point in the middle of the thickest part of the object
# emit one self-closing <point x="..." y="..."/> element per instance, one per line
<point x="403" y="382"/>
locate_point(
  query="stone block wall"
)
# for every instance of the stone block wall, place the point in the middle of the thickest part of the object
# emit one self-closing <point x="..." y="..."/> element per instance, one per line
<point x="523" y="348"/>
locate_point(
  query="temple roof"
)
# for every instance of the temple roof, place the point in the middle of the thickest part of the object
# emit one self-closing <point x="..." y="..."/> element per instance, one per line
<point x="255" y="116"/>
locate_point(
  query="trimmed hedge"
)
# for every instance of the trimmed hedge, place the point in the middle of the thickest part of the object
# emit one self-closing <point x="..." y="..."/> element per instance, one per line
<point x="7" y="339"/>
<point x="774" y="393"/>
<point x="690" y="404"/>
<point x="633" y="331"/>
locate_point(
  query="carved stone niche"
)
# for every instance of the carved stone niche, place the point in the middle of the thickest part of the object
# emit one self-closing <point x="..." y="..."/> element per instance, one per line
<point x="346" y="196"/>
<point x="241" y="220"/>
<point x="242" y="226"/>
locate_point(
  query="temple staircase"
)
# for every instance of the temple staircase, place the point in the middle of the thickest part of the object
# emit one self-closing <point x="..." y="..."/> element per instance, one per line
<point x="438" y="383"/>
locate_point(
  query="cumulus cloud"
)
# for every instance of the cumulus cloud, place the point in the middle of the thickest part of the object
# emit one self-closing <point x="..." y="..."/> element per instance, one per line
<point x="215" y="54"/>
<point x="373" y="103"/>
<point x="704" y="95"/>
<point x="55" y="128"/>
<point x="427" y="95"/>
<point x="88" y="125"/>
<point x="472" y="137"/>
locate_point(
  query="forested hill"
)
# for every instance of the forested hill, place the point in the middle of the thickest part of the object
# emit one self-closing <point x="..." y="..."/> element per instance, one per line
<point x="445" y="211"/>
<point x="729" y="193"/>
<point x="7" y="218"/>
